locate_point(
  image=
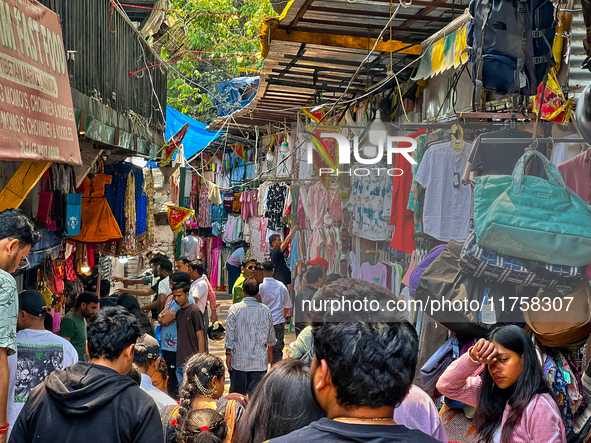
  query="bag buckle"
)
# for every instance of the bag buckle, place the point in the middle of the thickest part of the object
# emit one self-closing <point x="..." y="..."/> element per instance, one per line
<point x="536" y="33"/>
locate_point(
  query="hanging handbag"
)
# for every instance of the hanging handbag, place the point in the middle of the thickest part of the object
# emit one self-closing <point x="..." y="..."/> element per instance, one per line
<point x="438" y="363"/>
<point x="560" y="321"/>
<point x="480" y="262"/>
<point x="467" y="305"/>
<point x="45" y="200"/>
<point x="216" y="334"/>
<point x="73" y="209"/>
<point x="532" y="218"/>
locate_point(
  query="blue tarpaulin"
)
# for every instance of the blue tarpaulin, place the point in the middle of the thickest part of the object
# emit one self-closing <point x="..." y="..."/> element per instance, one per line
<point x="236" y="94"/>
<point x="197" y="137"/>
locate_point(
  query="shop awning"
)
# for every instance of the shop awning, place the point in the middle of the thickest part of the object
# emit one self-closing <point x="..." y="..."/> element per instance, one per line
<point x="443" y="50"/>
<point x="197" y="137"/>
<point x="36" y="113"/>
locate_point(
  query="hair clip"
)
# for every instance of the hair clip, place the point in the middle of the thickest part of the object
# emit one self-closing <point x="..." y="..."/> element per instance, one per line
<point x="203" y="370"/>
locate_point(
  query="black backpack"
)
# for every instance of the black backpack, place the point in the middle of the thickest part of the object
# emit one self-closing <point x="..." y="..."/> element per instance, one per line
<point x="510" y="45"/>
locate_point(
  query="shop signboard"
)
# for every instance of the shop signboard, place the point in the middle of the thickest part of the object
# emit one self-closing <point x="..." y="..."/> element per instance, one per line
<point x="37" y="121"/>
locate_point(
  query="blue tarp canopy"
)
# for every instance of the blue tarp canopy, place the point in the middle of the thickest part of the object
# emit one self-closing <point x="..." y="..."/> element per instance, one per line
<point x="197" y="137"/>
<point x="236" y="94"/>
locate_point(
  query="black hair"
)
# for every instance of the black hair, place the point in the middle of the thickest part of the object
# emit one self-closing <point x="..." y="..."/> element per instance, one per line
<point x="158" y="258"/>
<point x="48" y="322"/>
<point x="331" y="278"/>
<point x="184" y="286"/>
<point x="493" y="399"/>
<point x="113" y="330"/>
<point x="190" y="429"/>
<point x="180" y="277"/>
<point x="16" y="225"/>
<point x="198" y="266"/>
<point x="86" y="297"/>
<point x="250" y="287"/>
<point x="135" y="374"/>
<point x="246" y="261"/>
<point x="314" y="273"/>
<point x="272" y="238"/>
<point x="372" y="363"/>
<point x="282" y="402"/>
<point x="166" y="265"/>
<point x="130" y="303"/>
<point x="199" y="372"/>
<point x="105" y="288"/>
<point x="185" y="260"/>
<point x="267" y="266"/>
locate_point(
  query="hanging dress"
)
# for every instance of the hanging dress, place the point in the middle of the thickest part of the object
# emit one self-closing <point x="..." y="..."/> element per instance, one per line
<point x="97" y="221"/>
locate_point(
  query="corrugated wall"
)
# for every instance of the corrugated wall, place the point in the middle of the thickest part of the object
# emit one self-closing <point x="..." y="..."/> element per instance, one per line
<point x="107" y="49"/>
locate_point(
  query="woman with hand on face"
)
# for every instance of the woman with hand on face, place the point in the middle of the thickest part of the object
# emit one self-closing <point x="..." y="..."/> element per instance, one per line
<point x="514" y="403"/>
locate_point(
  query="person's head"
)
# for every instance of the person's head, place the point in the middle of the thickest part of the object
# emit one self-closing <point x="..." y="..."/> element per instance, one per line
<point x="130" y="303"/>
<point x="135" y="374"/>
<point x="17" y="236"/>
<point x="275" y="240"/>
<point x="204" y="378"/>
<point x="147" y="354"/>
<point x="202" y="426"/>
<point x="250" y="287"/>
<point x="268" y="269"/>
<point x="165" y="268"/>
<point x="111" y="338"/>
<point x="180" y="294"/>
<point x="322" y="262"/>
<point x="514" y="377"/>
<point x="31" y="311"/>
<point x="282" y="402"/>
<point x="258" y="273"/>
<point x="249" y="267"/>
<point x="105" y="288"/>
<point x="331" y="278"/>
<point x="179" y="277"/>
<point x="196" y="269"/>
<point x="314" y="276"/>
<point x="160" y="376"/>
<point x="358" y="361"/>
<point x="155" y="262"/>
<point x="87" y="304"/>
<point x="182" y="264"/>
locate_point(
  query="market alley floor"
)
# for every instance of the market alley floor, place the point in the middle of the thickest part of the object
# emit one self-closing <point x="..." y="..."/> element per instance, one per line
<point x="217" y="347"/>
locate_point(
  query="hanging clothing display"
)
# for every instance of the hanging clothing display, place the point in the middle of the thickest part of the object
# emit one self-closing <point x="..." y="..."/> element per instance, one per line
<point x="274" y="203"/>
<point x="376" y="274"/>
<point x="576" y="173"/>
<point x="149" y="192"/>
<point x="321" y="201"/>
<point x="370" y="203"/>
<point x="97" y="221"/>
<point x="448" y="204"/>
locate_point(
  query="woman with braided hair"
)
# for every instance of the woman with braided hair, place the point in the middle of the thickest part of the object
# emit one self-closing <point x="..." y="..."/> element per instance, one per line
<point x="203" y="426"/>
<point x="203" y="388"/>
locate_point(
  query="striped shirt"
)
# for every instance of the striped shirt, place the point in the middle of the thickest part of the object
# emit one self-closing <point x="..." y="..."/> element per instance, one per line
<point x="249" y="329"/>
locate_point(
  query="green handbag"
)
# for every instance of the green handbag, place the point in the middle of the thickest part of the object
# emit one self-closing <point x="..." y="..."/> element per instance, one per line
<point x="532" y="218"/>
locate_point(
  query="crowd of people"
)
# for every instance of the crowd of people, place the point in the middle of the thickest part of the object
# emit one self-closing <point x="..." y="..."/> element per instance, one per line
<point x="108" y="378"/>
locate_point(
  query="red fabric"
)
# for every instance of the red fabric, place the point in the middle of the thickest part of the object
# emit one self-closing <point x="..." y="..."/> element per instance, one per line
<point x="389" y="270"/>
<point x="401" y="216"/>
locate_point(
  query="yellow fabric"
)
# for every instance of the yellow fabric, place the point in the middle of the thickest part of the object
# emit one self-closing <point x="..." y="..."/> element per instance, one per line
<point x="437" y="56"/>
<point x="230" y="418"/>
<point x="461" y="44"/>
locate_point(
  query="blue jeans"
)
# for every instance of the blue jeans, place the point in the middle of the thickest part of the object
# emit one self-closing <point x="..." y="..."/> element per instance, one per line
<point x="180" y="374"/>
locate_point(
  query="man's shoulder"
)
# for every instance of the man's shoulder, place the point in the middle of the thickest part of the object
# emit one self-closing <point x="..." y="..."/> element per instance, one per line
<point x="307" y="433"/>
<point x="44" y="338"/>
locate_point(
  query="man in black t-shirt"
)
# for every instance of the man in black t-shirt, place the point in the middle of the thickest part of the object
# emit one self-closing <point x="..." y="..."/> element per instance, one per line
<point x="278" y="256"/>
<point x="362" y="369"/>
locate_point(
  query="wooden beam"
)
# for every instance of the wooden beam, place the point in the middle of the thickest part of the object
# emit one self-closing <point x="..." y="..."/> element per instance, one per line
<point x="299" y="15"/>
<point x="346" y="41"/>
<point x="21" y="183"/>
<point x="373" y="13"/>
<point x="370" y="27"/>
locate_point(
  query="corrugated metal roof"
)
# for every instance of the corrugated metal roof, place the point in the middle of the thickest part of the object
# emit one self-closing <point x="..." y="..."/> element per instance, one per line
<point x="579" y="77"/>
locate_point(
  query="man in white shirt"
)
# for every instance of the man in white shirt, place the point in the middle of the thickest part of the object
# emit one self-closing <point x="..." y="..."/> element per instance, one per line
<point x="191" y="246"/>
<point x="274" y="294"/>
<point x="38" y="353"/>
<point x="146" y="357"/>
<point x="199" y="292"/>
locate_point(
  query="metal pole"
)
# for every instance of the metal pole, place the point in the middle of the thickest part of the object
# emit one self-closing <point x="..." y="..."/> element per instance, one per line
<point x="179" y="236"/>
<point x="494" y="141"/>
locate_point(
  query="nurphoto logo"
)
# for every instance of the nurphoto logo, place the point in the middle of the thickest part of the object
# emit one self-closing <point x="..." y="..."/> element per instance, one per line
<point x="371" y="153"/>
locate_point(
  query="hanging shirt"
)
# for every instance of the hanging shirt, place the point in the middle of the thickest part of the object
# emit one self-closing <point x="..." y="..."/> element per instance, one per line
<point x="376" y="275"/>
<point x="576" y="174"/>
<point x="448" y="207"/>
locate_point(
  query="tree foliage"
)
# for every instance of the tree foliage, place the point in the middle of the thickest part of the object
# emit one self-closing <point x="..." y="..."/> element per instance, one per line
<point x="215" y="41"/>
